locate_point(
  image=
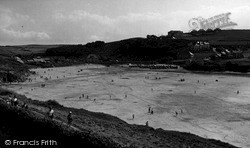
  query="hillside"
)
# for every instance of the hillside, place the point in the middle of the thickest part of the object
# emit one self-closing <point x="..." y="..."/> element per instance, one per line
<point x="152" y="49"/>
<point x="222" y="37"/>
<point x="135" y="49"/>
<point x="11" y="70"/>
<point x="88" y="129"/>
<point x="24" y="49"/>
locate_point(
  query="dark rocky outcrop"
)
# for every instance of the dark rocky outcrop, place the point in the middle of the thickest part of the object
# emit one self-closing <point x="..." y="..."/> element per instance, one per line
<point x="11" y="70"/>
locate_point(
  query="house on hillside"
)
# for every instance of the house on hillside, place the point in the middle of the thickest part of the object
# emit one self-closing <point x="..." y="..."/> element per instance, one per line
<point x="201" y="45"/>
<point x="175" y="34"/>
<point x="19" y="60"/>
<point x="93" y="58"/>
<point x="39" y="59"/>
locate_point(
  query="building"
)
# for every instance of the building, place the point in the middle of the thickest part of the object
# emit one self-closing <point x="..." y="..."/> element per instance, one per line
<point x="92" y="58"/>
<point x="175" y="34"/>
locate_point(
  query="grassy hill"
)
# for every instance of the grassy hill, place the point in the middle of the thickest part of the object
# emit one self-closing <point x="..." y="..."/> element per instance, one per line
<point x="88" y="129"/>
<point x="25" y="49"/>
<point x="223" y="37"/>
<point x="135" y="49"/>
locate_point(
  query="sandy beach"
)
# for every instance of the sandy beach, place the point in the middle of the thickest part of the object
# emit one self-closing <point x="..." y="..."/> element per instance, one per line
<point x="209" y="105"/>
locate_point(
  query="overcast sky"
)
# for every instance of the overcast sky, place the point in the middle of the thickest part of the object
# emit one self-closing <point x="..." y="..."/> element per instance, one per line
<point x="82" y="21"/>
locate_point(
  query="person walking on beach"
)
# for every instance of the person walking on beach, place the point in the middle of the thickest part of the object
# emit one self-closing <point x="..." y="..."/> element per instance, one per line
<point x="69" y="118"/>
<point x="133" y="116"/>
<point x="147" y="123"/>
<point x="176" y="113"/>
<point x="149" y="109"/>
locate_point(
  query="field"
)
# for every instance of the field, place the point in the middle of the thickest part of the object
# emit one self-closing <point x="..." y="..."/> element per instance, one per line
<point x="25" y="49"/>
<point x="204" y="104"/>
<point x="224" y="37"/>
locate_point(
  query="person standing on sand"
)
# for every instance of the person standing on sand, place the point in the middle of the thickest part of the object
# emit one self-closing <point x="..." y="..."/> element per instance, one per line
<point x="147" y="123"/>
<point x="69" y="118"/>
<point x="133" y="116"/>
<point x="152" y="112"/>
<point x="149" y="109"/>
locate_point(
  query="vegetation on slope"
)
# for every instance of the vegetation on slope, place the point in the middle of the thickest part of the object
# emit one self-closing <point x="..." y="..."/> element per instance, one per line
<point x="88" y="129"/>
<point x="11" y="70"/>
<point x="136" y="49"/>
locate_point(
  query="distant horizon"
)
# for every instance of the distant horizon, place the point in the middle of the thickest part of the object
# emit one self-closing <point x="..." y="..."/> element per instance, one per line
<point x="82" y="21"/>
<point x="43" y="44"/>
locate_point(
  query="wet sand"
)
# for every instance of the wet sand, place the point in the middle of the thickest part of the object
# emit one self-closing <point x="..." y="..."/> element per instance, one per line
<point x="199" y="105"/>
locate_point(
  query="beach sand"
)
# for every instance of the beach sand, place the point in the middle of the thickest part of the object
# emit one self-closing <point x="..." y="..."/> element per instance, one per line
<point x="208" y="108"/>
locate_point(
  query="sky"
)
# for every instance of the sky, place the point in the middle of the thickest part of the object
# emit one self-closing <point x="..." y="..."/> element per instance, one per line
<point x="82" y="21"/>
